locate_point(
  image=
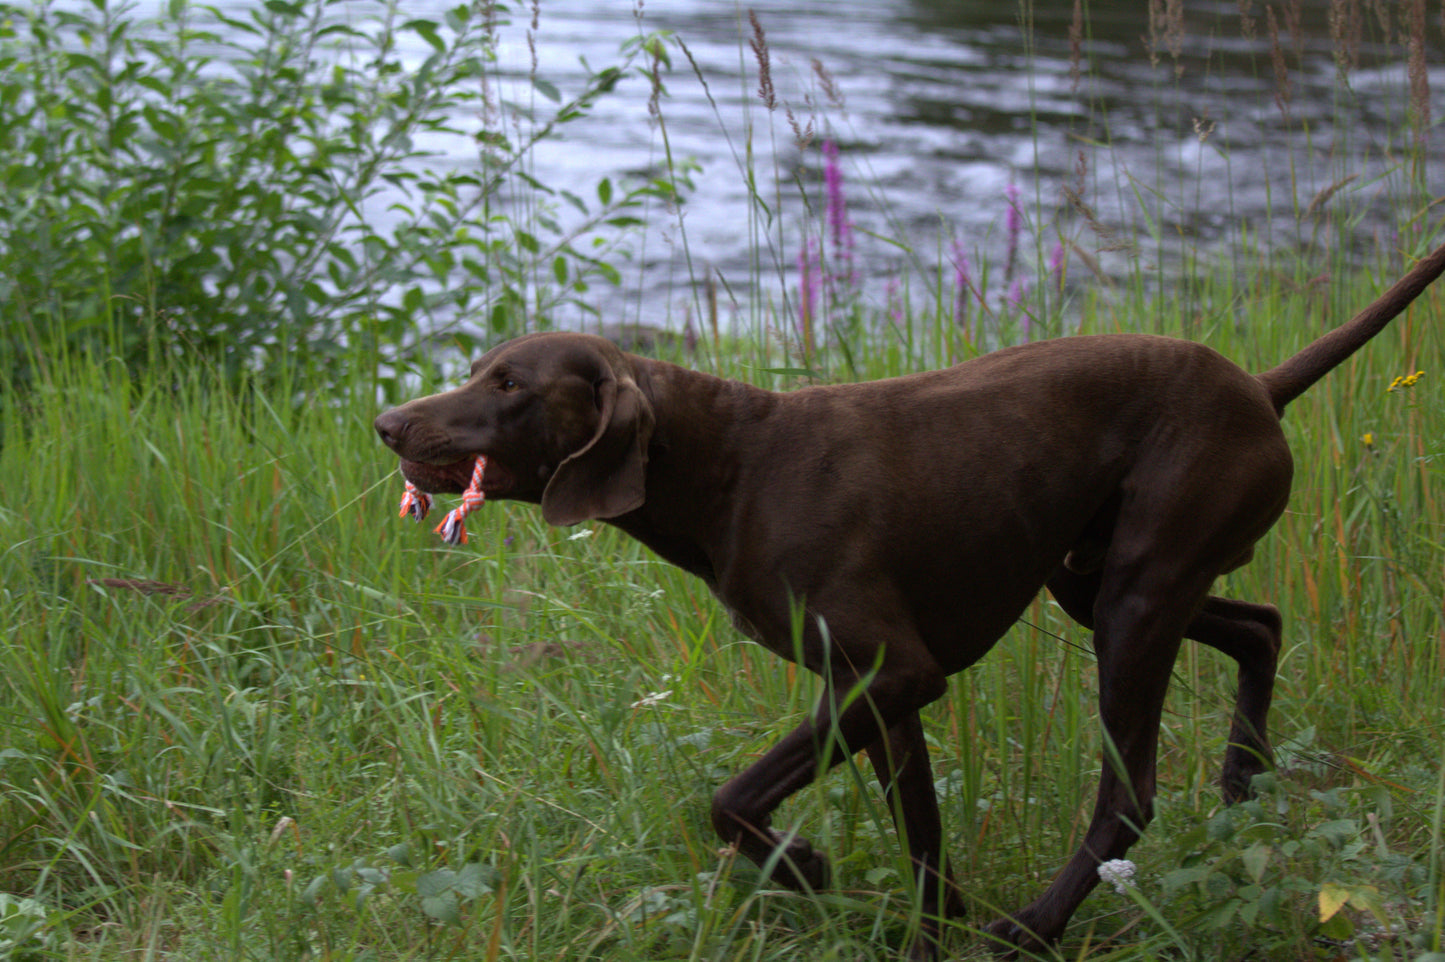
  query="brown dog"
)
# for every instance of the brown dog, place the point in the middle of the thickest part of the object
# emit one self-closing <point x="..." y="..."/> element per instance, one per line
<point x="915" y="518"/>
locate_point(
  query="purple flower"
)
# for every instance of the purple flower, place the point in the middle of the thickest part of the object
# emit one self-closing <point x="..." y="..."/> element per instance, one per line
<point x="895" y="301"/>
<point x="1015" y="299"/>
<point x="1056" y="266"/>
<point x="839" y="226"/>
<point x="962" y="279"/>
<point x="1014" y="226"/>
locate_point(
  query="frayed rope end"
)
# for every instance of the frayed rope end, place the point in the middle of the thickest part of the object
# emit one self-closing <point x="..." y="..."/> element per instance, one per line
<point x="416" y="503"/>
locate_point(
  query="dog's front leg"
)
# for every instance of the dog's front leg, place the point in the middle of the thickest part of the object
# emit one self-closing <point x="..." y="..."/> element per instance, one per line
<point x="900" y="760"/>
<point x="742" y="809"/>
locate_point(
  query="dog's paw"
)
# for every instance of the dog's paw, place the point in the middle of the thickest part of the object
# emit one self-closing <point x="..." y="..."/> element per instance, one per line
<point x="800" y="867"/>
<point x="1008" y="937"/>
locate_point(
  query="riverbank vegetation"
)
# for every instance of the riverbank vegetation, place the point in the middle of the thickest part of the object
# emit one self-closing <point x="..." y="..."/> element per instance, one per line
<point x="248" y="713"/>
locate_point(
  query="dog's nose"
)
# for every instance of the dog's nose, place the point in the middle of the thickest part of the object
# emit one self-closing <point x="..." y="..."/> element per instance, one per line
<point x="391" y="425"/>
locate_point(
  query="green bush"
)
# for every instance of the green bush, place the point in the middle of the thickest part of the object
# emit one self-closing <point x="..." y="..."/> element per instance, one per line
<point x="237" y="186"/>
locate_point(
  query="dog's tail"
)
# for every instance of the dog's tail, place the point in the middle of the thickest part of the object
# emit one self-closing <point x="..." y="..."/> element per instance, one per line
<point x="1295" y="376"/>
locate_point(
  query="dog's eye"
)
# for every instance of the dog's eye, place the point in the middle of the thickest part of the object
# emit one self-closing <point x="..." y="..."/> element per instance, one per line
<point x="509" y="385"/>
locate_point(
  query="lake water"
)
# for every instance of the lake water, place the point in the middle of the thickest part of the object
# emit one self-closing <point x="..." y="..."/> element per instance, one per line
<point x="940" y="105"/>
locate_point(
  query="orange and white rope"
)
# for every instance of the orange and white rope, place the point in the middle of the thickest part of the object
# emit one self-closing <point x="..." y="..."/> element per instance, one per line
<point x="416" y="503"/>
<point x="453" y="528"/>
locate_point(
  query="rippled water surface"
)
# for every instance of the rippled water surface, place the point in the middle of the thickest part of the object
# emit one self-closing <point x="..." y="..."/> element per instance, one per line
<point x="1185" y="144"/>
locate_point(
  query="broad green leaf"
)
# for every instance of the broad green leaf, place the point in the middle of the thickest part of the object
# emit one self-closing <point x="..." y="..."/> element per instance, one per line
<point x="1256" y="860"/>
<point x="427" y="30"/>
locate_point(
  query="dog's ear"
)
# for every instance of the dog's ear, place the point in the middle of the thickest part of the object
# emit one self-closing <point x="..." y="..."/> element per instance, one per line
<point x="608" y="475"/>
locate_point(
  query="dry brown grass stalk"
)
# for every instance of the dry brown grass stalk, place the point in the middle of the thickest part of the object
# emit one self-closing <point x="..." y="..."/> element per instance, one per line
<point x="1074" y="197"/>
<point x="146" y="586"/>
<point x="1156" y="30"/>
<point x="826" y="80"/>
<point x="803" y="134"/>
<point x="1382" y="15"/>
<point x="1076" y="46"/>
<point x="1318" y="202"/>
<point x="1166" y="31"/>
<point x="1281" y="67"/>
<point x="1247" y="25"/>
<point x="1174" y="32"/>
<point x="1346" y="29"/>
<point x="1419" y="72"/>
<point x="532" y="33"/>
<point x="759" y="43"/>
<point x="1293" y="15"/>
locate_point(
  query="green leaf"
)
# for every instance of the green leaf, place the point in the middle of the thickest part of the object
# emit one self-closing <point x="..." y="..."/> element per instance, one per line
<point x="1337" y="831"/>
<point x="1337" y="927"/>
<point x="312" y="893"/>
<point x="559" y="270"/>
<point x="443" y="908"/>
<point x="547" y="89"/>
<point x="436" y="882"/>
<point x="574" y="200"/>
<point x="604" y="191"/>
<point x="475" y="880"/>
<point x="1256" y="860"/>
<point x="1181" y="877"/>
<point x="427" y="30"/>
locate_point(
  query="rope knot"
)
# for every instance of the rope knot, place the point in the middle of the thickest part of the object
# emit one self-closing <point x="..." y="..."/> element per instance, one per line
<point x="416" y="503"/>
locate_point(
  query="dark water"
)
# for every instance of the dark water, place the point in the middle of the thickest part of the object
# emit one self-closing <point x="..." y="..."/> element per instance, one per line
<point x="1171" y="148"/>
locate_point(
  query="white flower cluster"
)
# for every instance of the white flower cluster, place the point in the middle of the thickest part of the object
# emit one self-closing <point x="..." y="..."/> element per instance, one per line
<point x="1118" y="872"/>
<point x="651" y="700"/>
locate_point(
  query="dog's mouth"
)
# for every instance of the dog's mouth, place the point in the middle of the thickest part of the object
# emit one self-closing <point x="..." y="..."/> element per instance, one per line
<point x="456" y="477"/>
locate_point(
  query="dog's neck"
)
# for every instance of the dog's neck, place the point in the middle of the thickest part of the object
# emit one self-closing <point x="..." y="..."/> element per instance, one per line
<point x="692" y="450"/>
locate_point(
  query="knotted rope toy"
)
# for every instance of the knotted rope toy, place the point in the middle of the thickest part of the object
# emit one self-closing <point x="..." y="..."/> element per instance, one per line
<point x="416" y="503"/>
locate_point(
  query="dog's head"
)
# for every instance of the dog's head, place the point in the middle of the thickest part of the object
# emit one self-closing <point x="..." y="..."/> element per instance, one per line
<point x="559" y="418"/>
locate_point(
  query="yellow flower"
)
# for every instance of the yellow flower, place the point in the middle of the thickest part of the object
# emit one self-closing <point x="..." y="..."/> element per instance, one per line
<point x="1369" y="439"/>
<point x="1405" y="380"/>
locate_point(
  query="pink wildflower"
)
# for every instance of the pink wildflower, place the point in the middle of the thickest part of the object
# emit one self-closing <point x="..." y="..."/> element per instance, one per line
<point x="839" y="226"/>
<point x="1014" y="226"/>
<point x="962" y="279"/>
<point x="895" y="301"/>
<point x="1015" y="299"/>
<point x="1056" y="266"/>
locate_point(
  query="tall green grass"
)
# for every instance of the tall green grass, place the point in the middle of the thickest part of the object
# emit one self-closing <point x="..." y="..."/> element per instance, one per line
<point x="248" y="713"/>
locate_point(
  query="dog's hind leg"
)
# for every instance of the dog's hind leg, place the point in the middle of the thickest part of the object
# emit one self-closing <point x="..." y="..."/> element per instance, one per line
<point x="1140" y="612"/>
<point x="1143" y="600"/>
<point x="1249" y="633"/>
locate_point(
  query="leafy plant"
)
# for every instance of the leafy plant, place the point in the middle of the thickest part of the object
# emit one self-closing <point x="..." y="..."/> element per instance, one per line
<point x="238" y="185"/>
<point x="25" y="929"/>
<point x="1291" y="868"/>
